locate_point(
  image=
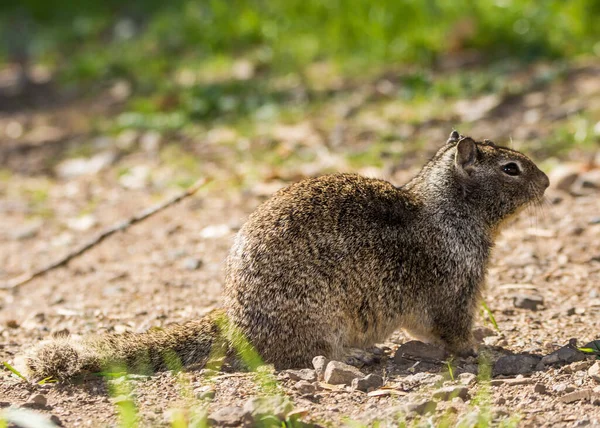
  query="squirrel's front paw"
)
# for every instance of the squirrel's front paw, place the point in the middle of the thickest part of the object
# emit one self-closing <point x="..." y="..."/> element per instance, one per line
<point x="464" y="349"/>
<point x="466" y="352"/>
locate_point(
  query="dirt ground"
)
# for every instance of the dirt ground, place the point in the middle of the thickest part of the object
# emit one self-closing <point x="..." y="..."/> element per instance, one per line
<point x="169" y="269"/>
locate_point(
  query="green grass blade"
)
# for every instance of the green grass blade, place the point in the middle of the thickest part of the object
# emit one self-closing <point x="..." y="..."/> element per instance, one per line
<point x="490" y="315"/>
<point x="46" y="380"/>
<point x="450" y="369"/>
<point x="14" y="371"/>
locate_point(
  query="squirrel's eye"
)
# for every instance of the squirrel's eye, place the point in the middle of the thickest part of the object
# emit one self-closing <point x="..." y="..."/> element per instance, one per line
<point x="511" y="169"/>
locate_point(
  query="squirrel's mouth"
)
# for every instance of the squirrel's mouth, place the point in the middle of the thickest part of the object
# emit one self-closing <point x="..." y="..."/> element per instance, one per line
<point x="539" y="190"/>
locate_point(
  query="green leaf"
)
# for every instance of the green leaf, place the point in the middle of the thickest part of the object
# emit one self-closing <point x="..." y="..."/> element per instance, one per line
<point x="490" y="315"/>
<point x="594" y="346"/>
<point x="46" y="380"/>
<point x="14" y="371"/>
<point x="450" y="369"/>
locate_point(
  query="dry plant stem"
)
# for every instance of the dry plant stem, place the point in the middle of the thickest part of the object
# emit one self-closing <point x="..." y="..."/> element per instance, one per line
<point x="119" y="227"/>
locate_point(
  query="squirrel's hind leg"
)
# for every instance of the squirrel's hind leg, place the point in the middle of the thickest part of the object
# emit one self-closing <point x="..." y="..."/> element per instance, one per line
<point x="455" y="333"/>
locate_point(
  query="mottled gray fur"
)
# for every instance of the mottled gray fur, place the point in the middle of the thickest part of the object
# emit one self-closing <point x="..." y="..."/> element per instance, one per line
<point x="342" y="261"/>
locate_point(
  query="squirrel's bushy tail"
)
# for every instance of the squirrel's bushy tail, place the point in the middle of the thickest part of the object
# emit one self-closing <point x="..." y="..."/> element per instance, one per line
<point x="169" y="348"/>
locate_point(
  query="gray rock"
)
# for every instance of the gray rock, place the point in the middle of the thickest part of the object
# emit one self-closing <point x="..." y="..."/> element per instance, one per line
<point x="424" y="378"/>
<point x="419" y="407"/>
<point x="56" y="420"/>
<point x="303" y="374"/>
<point x="206" y="392"/>
<point x="481" y="333"/>
<point x="367" y="383"/>
<point x="577" y="366"/>
<point x="338" y="373"/>
<point x="277" y="406"/>
<point x="228" y="417"/>
<point x="540" y="388"/>
<point x="510" y="365"/>
<point x="471" y="368"/>
<point x="590" y="179"/>
<point x="27" y="231"/>
<point x="467" y="378"/>
<point x="419" y="350"/>
<point x="191" y="263"/>
<point x="528" y="301"/>
<point x="584" y="394"/>
<point x="512" y="381"/>
<point x="559" y="387"/>
<point x="320" y="364"/>
<point x="500" y="412"/>
<point x="570" y="388"/>
<point x="565" y="355"/>
<point x="305" y="387"/>
<point x="594" y="371"/>
<point x="491" y="340"/>
<point x="449" y="392"/>
<point x="76" y="167"/>
<point x="564" y="176"/>
<point x="36" y="401"/>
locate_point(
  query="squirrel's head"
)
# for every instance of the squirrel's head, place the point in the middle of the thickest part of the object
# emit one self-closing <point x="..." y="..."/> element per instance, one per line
<point x="496" y="181"/>
<point x="503" y="179"/>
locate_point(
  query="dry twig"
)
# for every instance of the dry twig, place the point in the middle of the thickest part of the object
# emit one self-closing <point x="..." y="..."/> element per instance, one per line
<point x="119" y="227"/>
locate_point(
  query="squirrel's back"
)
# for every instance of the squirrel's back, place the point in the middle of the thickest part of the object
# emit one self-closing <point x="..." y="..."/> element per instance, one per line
<point x="309" y="258"/>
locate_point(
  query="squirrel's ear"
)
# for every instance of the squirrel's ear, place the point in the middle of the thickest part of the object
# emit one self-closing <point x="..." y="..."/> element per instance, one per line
<point x="466" y="154"/>
<point x="454" y="137"/>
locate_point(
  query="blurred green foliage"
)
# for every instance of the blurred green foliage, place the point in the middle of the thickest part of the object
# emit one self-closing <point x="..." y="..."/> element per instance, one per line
<point x="248" y="62"/>
<point x="144" y="38"/>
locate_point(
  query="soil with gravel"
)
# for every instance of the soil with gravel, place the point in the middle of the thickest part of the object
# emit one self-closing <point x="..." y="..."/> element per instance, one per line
<point x="543" y="289"/>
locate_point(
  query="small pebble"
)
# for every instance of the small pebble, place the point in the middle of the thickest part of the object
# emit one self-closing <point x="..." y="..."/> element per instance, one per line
<point x="338" y="373"/>
<point x="420" y="407"/>
<point x="303" y="374"/>
<point x="191" y="263"/>
<point x="467" y="378"/>
<point x="368" y="383"/>
<point x="304" y="387"/>
<point x="420" y="350"/>
<point x="449" y="392"/>
<point x="528" y="301"/>
<point x="320" y="364"/>
<point x="559" y="387"/>
<point x="56" y="420"/>
<point x="594" y="371"/>
<point x="227" y="416"/>
<point x="36" y="401"/>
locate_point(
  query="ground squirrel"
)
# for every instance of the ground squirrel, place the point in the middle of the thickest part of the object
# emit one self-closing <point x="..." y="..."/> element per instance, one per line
<point x="342" y="261"/>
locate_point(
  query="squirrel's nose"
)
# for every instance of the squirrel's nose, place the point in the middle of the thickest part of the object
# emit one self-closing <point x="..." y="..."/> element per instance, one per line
<point x="544" y="180"/>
